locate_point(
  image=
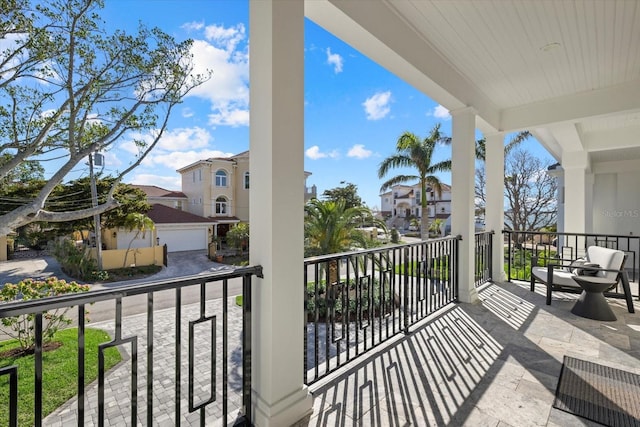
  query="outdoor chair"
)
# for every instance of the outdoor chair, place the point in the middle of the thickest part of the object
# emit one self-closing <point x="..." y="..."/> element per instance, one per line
<point x="599" y="262"/>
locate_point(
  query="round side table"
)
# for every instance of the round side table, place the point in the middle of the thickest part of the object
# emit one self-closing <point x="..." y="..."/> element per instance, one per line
<point x="592" y="303"/>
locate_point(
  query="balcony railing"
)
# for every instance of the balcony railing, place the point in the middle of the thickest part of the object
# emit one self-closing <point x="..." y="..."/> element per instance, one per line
<point x="520" y="246"/>
<point x="483" y="248"/>
<point x="355" y="301"/>
<point x="206" y="325"/>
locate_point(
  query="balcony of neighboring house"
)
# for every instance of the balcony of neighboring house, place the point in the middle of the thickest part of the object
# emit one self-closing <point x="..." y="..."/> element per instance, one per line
<point x="310" y="193"/>
<point x="385" y="341"/>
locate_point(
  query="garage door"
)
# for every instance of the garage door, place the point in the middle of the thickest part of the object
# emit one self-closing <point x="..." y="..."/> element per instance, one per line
<point x="183" y="240"/>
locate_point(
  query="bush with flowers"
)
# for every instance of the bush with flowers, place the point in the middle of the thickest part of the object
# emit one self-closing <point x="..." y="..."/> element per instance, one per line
<point x="22" y="328"/>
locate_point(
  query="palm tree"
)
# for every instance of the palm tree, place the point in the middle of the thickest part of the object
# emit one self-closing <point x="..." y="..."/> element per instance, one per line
<point x="436" y="226"/>
<point x="139" y="222"/>
<point x="481" y="144"/>
<point x="330" y="227"/>
<point x="412" y="152"/>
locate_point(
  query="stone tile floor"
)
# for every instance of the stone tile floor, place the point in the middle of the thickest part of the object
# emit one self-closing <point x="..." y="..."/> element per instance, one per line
<point x="495" y="363"/>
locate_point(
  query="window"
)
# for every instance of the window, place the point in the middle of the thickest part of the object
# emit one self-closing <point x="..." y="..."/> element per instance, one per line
<point x="199" y="174"/>
<point x="221" y="178"/>
<point x="178" y="205"/>
<point x="246" y="180"/>
<point x="221" y="205"/>
<point x="194" y="176"/>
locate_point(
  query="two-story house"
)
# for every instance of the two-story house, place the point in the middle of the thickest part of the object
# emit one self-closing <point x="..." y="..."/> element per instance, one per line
<point x="218" y="188"/>
<point x="402" y="203"/>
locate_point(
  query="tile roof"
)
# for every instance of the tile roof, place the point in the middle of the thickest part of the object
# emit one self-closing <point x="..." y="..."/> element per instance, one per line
<point x="161" y="214"/>
<point x="155" y="191"/>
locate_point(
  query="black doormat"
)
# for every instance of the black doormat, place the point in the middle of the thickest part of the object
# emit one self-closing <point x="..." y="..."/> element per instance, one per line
<point x="599" y="393"/>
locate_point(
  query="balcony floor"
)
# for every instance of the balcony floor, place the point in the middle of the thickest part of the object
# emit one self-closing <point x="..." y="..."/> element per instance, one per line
<point x="495" y="363"/>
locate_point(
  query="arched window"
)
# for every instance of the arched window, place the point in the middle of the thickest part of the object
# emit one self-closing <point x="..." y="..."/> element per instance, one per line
<point x="246" y="180"/>
<point x="221" y="178"/>
<point x="221" y="206"/>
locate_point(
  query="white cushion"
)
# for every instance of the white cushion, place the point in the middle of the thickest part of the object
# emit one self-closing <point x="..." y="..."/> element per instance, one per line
<point x="560" y="277"/>
<point x="606" y="258"/>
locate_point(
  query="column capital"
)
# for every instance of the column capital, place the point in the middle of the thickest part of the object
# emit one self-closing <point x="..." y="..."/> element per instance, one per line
<point x="576" y="160"/>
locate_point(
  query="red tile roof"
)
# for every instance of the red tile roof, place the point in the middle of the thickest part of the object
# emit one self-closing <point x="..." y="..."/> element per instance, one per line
<point x="161" y="214"/>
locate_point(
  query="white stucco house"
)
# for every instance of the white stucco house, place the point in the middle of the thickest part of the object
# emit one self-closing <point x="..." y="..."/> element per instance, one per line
<point x="402" y="203"/>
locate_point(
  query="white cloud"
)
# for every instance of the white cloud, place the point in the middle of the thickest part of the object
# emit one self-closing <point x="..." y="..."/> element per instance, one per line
<point x="335" y="60"/>
<point x="167" y="182"/>
<point x="193" y="26"/>
<point x="177" y="148"/>
<point x="440" y="112"/>
<point x="187" y="112"/>
<point x="224" y="51"/>
<point x="180" y="138"/>
<point x="359" y="152"/>
<point x="229" y="117"/>
<point x="377" y="106"/>
<point x="172" y="140"/>
<point x="314" y="153"/>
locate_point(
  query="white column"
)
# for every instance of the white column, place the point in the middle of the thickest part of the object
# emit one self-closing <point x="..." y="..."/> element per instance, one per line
<point x="576" y="166"/>
<point x="462" y="197"/>
<point x="276" y="216"/>
<point x="494" y="209"/>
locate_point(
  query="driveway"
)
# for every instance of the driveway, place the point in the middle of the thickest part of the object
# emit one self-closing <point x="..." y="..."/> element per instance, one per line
<point x="181" y="264"/>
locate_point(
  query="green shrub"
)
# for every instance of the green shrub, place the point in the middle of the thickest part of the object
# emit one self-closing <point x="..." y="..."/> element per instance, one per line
<point x="395" y="236"/>
<point x="371" y="301"/>
<point x="238" y="236"/>
<point x="22" y="328"/>
<point x="75" y="261"/>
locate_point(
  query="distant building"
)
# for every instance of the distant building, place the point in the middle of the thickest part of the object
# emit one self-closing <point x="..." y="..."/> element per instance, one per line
<point x="402" y="203"/>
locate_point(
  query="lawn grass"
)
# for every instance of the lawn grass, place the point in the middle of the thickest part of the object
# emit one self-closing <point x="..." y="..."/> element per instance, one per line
<point x="60" y="377"/>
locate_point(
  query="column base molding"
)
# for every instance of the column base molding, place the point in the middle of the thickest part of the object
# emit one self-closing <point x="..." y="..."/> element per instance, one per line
<point x="470" y="297"/>
<point x="285" y="412"/>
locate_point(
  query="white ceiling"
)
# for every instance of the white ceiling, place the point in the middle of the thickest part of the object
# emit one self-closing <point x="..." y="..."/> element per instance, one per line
<point x="568" y="70"/>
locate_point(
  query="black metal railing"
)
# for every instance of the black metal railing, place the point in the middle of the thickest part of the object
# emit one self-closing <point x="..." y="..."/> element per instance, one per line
<point x="520" y="246"/>
<point x="355" y="301"/>
<point x="195" y="311"/>
<point x="483" y="249"/>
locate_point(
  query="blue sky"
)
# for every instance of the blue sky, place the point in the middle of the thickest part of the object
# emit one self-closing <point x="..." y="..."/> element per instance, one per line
<point x="354" y="109"/>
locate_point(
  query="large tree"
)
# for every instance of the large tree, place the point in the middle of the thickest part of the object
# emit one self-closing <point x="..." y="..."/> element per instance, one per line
<point x="348" y="193"/>
<point x="68" y="89"/>
<point x="530" y="192"/>
<point x="415" y="153"/>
